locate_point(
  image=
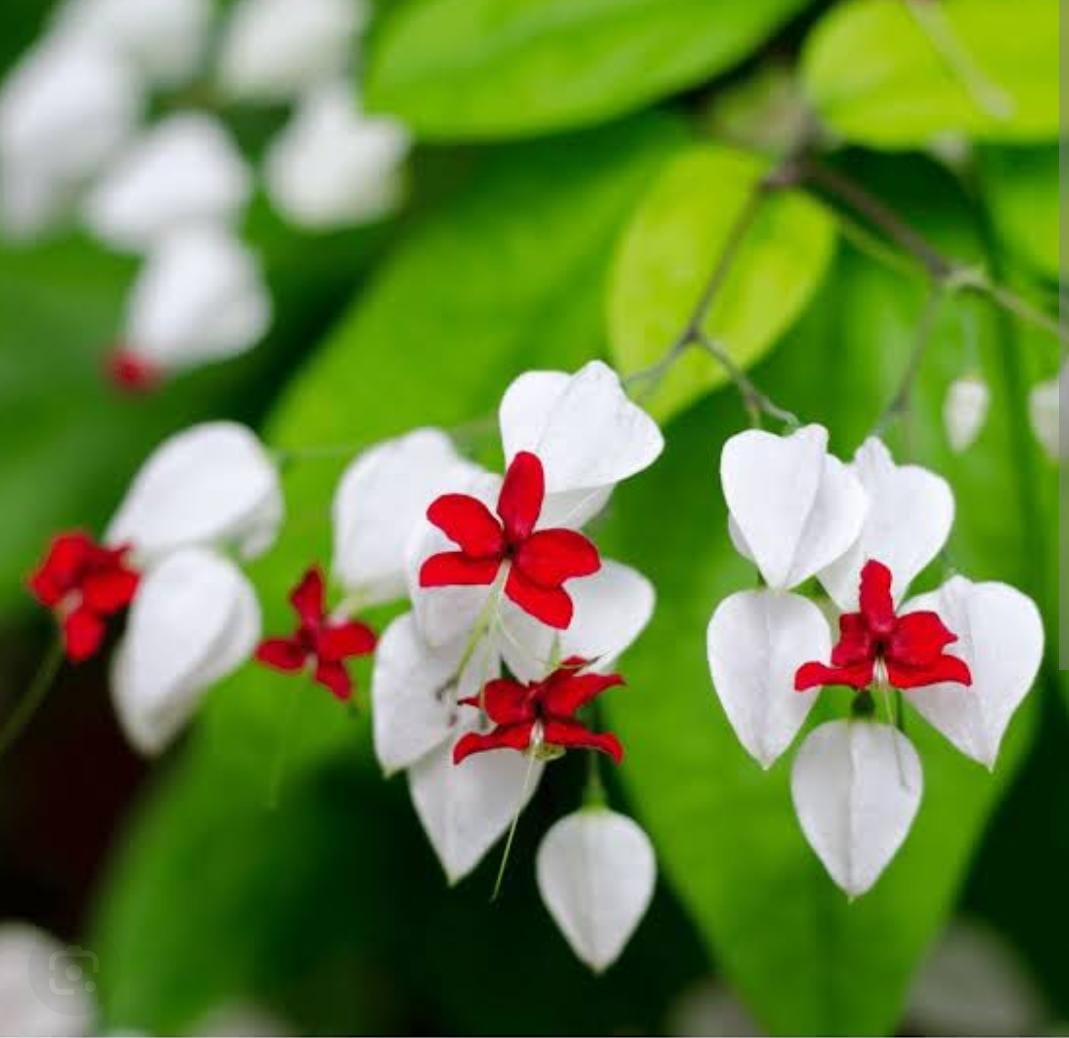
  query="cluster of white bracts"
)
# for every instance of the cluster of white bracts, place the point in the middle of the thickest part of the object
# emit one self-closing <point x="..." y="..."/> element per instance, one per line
<point x="798" y="512"/>
<point x="175" y="191"/>
<point x="589" y="436"/>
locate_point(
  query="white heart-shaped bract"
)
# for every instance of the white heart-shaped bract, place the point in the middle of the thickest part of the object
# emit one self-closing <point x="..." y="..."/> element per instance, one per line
<point x="211" y="484"/>
<point x="793" y="507"/>
<point x="856" y="787"/>
<point x="37" y="994"/>
<point x="200" y="297"/>
<point x="193" y="621"/>
<point x="415" y="690"/>
<point x="911" y="511"/>
<point x="596" y="873"/>
<point x="164" y="39"/>
<point x="185" y="170"/>
<point x="274" y="50"/>
<point x="465" y="808"/>
<point x="583" y="427"/>
<point x="1043" y="413"/>
<point x="756" y="641"/>
<point x="332" y="166"/>
<point x="965" y="411"/>
<point x="1000" y="637"/>
<point x="381" y="498"/>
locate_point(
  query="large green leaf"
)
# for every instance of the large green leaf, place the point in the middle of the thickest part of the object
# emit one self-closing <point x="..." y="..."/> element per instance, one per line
<point x="501" y="68"/>
<point x="896" y="74"/>
<point x="506" y="277"/>
<point x="671" y="250"/>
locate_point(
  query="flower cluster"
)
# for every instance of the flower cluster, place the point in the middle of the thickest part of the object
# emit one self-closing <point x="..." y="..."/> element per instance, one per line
<point x="73" y="143"/>
<point x="965" y="654"/>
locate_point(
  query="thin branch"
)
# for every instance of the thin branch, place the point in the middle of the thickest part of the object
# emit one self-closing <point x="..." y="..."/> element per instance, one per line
<point x="755" y="402"/>
<point x="34" y="697"/>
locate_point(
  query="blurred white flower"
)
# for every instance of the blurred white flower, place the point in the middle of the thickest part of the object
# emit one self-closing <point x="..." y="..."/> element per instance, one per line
<point x="185" y="170"/>
<point x="274" y="50"/>
<point x="332" y="165"/>
<point x="965" y="411"/>
<point x="1044" y="411"/>
<point x="200" y="297"/>
<point x="164" y="39"/>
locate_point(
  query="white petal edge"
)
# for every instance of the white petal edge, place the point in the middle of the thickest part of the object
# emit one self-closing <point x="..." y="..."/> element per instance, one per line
<point x="1000" y="637"/>
<point x="856" y="787"/>
<point x="756" y="641"/>
<point x="596" y="873"/>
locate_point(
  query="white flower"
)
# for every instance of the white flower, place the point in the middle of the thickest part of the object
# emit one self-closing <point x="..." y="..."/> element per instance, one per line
<point x="596" y="874"/>
<point x="164" y="39"/>
<point x="185" y="170"/>
<point x="64" y="110"/>
<point x="332" y="166"/>
<point x="213" y="484"/>
<point x="856" y="787"/>
<point x="274" y="50"/>
<point x="1044" y="412"/>
<point x="200" y="297"/>
<point x="193" y="621"/>
<point x="965" y="411"/>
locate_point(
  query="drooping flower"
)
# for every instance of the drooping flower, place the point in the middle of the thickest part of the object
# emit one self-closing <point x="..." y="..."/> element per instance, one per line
<point x="1043" y="413"/>
<point x="539" y="560"/>
<point x="876" y="645"/>
<point x="596" y="873"/>
<point x="319" y="644"/>
<point x="84" y="584"/>
<point x="965" y="411"/>
<point x="540" y="715"/>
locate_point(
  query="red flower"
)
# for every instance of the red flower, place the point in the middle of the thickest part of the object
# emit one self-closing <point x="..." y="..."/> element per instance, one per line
<point x="542" y="712"/>
<point x="131" y="373"/>
<point x="318" y="641"/>
<point x="541" y="561"/>
<point x="909" y="647"/>
<point x="83" y="583"/>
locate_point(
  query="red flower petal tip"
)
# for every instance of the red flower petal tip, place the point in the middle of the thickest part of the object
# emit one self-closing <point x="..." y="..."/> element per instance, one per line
<point x="132" y="374"/>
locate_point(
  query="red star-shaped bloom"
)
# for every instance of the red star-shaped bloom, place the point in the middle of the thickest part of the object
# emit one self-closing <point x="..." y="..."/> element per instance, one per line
<point x="318" y="642"/>
<point x="83" y="583"/>
<point x="542" y="712"/>
<point x="540" y="561"/>
<point x="909" y="647"/>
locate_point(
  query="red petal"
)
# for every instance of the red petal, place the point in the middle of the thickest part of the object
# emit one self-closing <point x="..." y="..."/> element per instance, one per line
<point x="470" y="524"/>
<point x="573" y="734"/>
<point x="58" y="573"/>
<point x="855" y="642"/>
<point x="109" y="590"/>
<point x="282" y="653"/>
<point x="565" y="694"/>
<point x="522" y="493"/>
<point x="131" y="373"/>
<point x="551" y="557"/>
<point x="335" y="677"/>
<point x="453" y="568"/>
<point x="550" y="605"/>
<point x="507" y="737"/>
<point x="918" y="639"/>
<point x="341" y="641"/>
<point x="308" y="596"/>
<point x="506" y="702"/>
<point x="83" y="632"/>
<point x="876" y="604"/>
<point x="810" y="675"/>
<point x="943" y="668"/>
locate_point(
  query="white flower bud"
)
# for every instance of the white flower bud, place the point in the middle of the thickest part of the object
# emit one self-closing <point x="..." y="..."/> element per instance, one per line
<point x="1044" y="411"/>
<point x="965" y="411"/>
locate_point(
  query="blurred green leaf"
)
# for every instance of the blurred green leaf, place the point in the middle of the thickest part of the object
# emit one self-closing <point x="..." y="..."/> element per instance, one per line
<point x="464" y="69"/>
<point x="896" y="74"/>
<point x="671" y="250"/>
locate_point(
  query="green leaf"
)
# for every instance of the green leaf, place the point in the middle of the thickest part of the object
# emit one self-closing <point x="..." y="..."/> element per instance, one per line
<point x="1022" y="190"/>
<point x="506" y="277"/>
<point x="804" y="958"/>
<point x="896" y="74"/>
<point x="671" y="250"/>
<point x="502" y="68"/>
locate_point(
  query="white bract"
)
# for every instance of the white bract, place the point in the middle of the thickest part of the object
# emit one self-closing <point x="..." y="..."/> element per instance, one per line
<point x="193" y="621"/>
<point x="965" y="411"/>
<point x="274" y="50"/>
<point x="596" y="874"/>
<point x="333" y="166"/>
<point x="856" y="787"/>
<point x="1044" y="412"/>
<point x="185" y="170"/>
<point x="200" y="297"/>
<point x="164" y="39"/>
